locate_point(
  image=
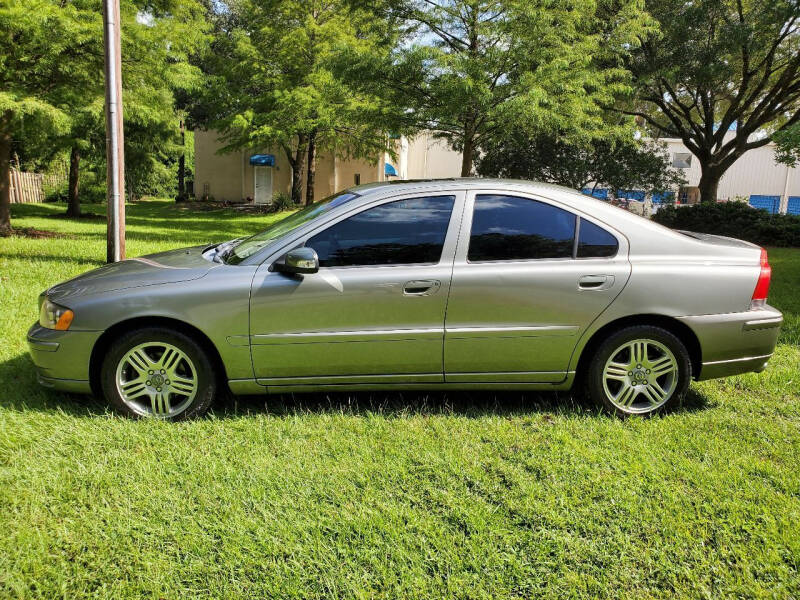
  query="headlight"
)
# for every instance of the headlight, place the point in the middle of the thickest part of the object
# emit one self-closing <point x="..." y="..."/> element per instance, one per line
<point x="53" y="316"/>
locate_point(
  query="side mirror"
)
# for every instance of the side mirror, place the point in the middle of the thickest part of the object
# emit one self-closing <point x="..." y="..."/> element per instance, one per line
<point x="299" y="260"/>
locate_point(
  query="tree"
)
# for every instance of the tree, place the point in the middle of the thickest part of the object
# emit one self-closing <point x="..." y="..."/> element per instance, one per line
<point x="36" y="37"/>
<point x="719" y="65"/>
<point x="478" y="69"/>
<point x="52" y="85"/>
<point x="788" y="142"/>
<point x="624" y="164"/>
<point x="276" y="79"/>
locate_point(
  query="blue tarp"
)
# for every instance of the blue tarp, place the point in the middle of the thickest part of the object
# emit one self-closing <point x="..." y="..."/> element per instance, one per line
<point x="771" y="204"/>
<point x="631" y="195"/>
<point x="601" y="194"/>
<point x="793" y="208"/>
<point x="661" y="197"/>
<point x="262" y="160"/>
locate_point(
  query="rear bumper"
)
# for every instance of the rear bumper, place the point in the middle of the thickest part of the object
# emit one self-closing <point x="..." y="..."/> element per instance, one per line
<point x="62" y="357"/>
<point x="735" y="343"/>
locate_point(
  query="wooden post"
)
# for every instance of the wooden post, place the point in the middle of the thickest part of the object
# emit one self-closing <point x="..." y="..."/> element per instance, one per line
<point x="115" y="167"/>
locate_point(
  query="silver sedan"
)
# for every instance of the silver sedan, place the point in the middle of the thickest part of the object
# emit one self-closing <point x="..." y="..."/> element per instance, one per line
<point x="451" y="284"/>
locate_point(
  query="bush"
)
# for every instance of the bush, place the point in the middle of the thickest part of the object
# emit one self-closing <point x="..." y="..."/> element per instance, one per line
<point x="282" y="201"/>
<point x="733" y="219"/>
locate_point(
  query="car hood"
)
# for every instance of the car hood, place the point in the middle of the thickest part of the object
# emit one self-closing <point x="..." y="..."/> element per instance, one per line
<point x="173" y="266"/>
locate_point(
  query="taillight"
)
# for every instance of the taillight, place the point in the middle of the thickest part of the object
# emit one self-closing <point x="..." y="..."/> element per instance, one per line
<point x="762" y="285"/>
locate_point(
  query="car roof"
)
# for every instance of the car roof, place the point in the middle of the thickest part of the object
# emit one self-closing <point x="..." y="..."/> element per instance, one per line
<point x="642" y="233"/>
<point x="564" y="195"/>
<point x="403" y="185"/>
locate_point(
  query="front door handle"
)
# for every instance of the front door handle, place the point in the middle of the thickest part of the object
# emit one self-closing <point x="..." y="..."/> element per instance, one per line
<point x="424" y="287"/>
<point x="595" y="282"/>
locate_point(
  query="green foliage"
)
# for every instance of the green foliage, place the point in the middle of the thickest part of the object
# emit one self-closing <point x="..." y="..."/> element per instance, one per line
<point x="478" y="70"/>
<point x="734" y="219"/>
<point x="34" y="75"/>
<point x="280" y="75"/>
<point x="53" y="87"/>
<point x="282" y="201"/>
<point x="719" y="63"/>
<point x="622" y="165"/>
<point x="788" y="142"/>
<point x="385" y="495"/>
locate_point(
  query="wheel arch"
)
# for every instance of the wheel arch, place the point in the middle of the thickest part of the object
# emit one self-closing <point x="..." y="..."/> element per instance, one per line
<point x="110" y="334"/>
<point x="679" y="329"/>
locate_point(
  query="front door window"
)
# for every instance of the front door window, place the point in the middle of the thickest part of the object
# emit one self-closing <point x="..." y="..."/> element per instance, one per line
<point x="406" y="232"/>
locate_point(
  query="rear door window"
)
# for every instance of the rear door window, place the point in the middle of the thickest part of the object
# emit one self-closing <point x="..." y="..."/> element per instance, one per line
<point x="514" y="228"/>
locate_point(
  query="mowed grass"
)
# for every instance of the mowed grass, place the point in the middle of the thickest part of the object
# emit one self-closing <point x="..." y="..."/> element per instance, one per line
<point x="385" y="495"/>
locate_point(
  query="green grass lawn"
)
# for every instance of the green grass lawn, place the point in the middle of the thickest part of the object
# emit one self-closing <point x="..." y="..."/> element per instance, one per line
<point x="399" y="495"/>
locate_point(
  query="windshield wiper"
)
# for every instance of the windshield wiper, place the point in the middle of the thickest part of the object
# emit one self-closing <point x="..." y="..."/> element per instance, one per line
<point x="223" y="251"/>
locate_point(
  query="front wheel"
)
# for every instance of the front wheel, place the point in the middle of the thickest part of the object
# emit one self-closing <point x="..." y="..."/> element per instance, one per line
<point x="639" y="370"/>
<point x="158" y="372"/>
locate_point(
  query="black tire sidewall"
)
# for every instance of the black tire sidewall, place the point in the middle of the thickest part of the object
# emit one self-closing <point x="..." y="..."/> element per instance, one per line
<point x="594" y="376"/>
<point x="206" y="377"/>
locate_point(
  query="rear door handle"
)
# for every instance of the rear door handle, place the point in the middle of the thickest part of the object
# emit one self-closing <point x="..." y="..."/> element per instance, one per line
<point x="595" y="282"/>
<point x="424" y="287"/>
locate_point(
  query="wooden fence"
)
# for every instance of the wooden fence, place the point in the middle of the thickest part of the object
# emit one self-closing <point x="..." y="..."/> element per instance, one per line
<point x="26" y="187"/>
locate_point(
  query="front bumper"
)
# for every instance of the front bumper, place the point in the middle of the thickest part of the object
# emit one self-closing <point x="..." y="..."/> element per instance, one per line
<point x="62" y="357"/>
<point x="735" y="343"/>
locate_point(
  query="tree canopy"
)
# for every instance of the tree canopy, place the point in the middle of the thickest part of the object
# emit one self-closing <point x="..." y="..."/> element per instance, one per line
<point x="476" y="69"/>
<point x="51" y="74"/>
<point x="721" y="76"/>
<point x="44" y="50"/>
<point x="619" y="165"/>
<point x="286" y="70"/>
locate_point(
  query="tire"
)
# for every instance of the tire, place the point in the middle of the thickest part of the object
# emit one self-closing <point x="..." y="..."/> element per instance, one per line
<point x="158" y="372"/>
<point x="639" y="371"/>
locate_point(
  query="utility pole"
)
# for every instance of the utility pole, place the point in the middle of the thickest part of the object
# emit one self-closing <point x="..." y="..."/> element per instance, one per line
<point x="115" y="155"/>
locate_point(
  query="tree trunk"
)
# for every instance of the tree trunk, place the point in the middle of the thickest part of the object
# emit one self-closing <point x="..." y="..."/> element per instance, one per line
<point x="5" y="173"/>
<point x="709" y="182"/>
<point x="467" y="155"/>
<point x="298" y="164"/>
<point x="312" y="164"/>
<point x="182" y="167"/>
<point x="73" y="200"/>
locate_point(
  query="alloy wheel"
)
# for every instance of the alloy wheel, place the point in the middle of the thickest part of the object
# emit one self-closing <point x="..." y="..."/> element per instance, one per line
<point x="640" y="376"/>
<point x="156" y="379"/>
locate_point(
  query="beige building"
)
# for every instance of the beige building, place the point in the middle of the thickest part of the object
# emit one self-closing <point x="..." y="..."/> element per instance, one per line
<point x="256" y="174"/>
<point x="756" y="176"/>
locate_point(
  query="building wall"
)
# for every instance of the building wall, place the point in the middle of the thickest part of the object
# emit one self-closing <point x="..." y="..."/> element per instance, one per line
<point x="431" y="158"/>
<point x="230" y="177"/>
<point x="220" y="175"/>
<point x="754" y="173"/>
<point x="347" y="168"/>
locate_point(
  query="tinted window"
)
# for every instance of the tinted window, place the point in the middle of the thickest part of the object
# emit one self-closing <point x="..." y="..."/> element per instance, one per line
<point x="249" y="246"/>
<point x="508" y="228"/>
<point x="594" y="241"/>
<point x="399" y="233"/>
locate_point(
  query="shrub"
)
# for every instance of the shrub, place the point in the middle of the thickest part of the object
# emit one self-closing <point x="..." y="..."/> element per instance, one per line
<point x="282" y="201"/>
<point x="733" y="219"/>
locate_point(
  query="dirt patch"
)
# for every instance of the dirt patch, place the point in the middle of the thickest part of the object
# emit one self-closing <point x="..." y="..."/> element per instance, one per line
<point x="38" y="234"/>
<point x="243" y="207"/>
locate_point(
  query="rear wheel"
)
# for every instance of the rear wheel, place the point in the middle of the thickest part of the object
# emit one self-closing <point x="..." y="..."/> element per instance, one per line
<point x="158" y="372"/>
<point x="639" y="370"/>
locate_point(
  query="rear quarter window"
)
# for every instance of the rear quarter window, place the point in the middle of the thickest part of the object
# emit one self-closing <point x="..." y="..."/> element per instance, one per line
<point x="595" y="242"/>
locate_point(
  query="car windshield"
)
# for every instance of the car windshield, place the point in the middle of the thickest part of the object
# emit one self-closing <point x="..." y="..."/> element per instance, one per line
<point x="249" y="246"/>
